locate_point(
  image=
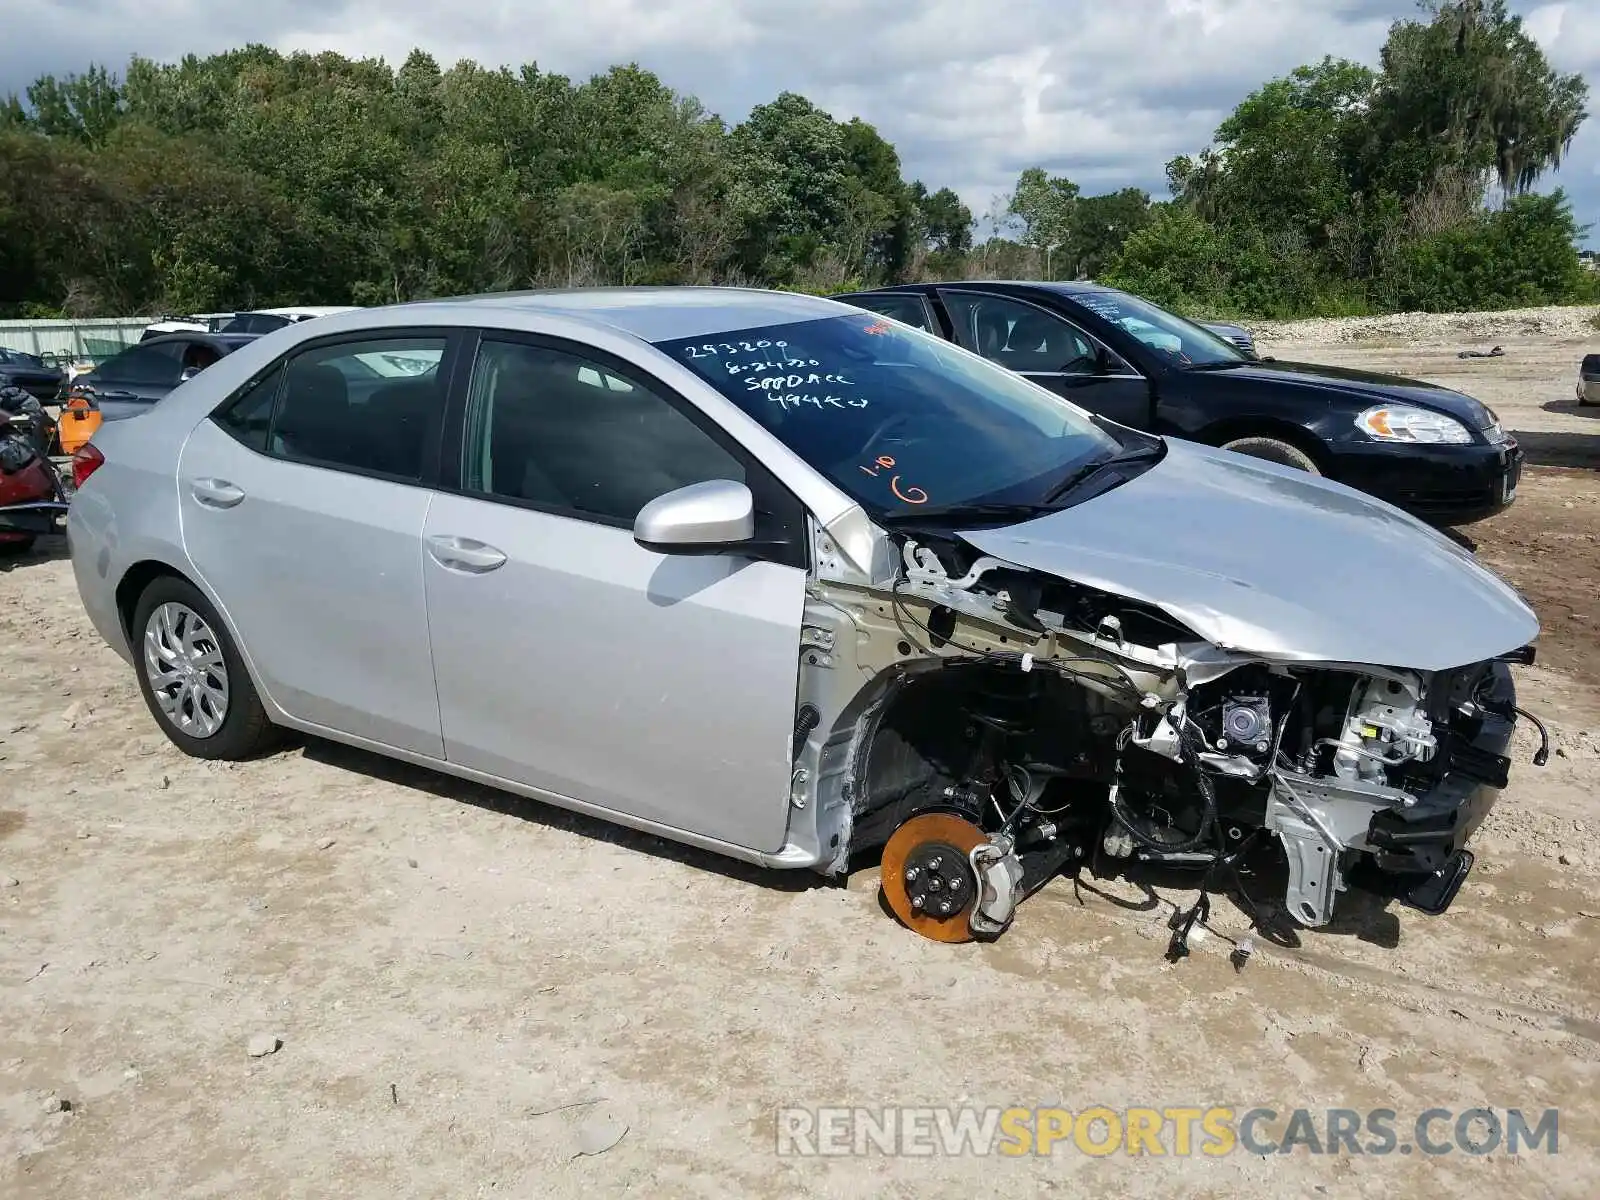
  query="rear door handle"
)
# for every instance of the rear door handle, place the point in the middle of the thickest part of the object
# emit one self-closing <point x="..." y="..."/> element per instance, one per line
<point x="216" y="493"/>
<point x="464" y="554"/>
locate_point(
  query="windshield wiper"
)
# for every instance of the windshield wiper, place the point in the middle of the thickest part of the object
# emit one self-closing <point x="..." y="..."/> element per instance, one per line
<point x="1087" y="472"/>
<point x="976" y="511"/>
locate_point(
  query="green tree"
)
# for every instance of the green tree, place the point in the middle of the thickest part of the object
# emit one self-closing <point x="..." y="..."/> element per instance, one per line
<point x="85" y="108"/>
<point x="1469" y="91"/>
<point x="1099" y="226"/>
<point x="1044" y="205"/>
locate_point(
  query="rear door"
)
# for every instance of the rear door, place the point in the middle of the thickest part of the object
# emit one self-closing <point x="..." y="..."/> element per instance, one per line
<point x="303" y="500"/>
<point x="571" y="659"/>
<point x="1053" y="352"/>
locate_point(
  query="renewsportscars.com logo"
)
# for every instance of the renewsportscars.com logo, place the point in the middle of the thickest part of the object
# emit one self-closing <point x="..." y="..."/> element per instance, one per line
<point x="1100" y="1131"/>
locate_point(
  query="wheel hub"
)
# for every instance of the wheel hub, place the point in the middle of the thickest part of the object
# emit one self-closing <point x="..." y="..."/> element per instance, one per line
<point x="927" y="877"/>
<point x="938" y="879"/>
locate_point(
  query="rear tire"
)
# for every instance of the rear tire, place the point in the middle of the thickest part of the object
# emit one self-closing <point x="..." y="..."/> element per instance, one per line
<point x="192" y="678"/>
<point x="1275" y="451"/>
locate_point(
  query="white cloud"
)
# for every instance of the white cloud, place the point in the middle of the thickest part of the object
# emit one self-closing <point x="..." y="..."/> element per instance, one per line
<point x="969" y="92"/>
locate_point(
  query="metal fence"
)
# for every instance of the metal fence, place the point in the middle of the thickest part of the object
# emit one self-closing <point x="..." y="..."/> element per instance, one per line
<point x="62" y="343"/>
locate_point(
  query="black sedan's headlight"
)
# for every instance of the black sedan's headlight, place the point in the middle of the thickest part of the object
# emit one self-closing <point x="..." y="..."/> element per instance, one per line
<point x="1419" y="426"/>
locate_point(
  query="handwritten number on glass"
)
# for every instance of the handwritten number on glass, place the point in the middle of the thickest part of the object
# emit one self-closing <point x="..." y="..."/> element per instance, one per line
<point x="905" y="493"/>
<point x="718" y="349"/>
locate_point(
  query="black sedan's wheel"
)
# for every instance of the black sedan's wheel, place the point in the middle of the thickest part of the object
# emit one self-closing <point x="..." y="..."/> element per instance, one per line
<point x="192" y="677"/>
<point x="1274" y="451"/>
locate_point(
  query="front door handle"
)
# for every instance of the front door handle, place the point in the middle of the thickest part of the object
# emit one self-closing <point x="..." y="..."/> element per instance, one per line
<point x="464" y="554"/>
<point x="216" y="493"/>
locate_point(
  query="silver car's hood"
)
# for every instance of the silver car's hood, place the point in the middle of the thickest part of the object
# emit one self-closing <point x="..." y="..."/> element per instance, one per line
<point x="1268" y="560"/>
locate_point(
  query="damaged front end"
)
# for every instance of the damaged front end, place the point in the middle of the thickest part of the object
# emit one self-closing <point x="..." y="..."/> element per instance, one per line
<point x="989" y="725"/>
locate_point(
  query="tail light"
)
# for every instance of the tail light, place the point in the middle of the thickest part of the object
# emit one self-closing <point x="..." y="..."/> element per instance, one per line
<point x="85" y="462"/>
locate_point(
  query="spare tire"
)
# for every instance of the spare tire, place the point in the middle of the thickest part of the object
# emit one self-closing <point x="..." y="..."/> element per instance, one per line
<point x="1276" y="451"/>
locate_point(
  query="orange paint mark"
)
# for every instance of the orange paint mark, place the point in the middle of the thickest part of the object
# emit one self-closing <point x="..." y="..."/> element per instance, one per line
<point x="912" y="495"/>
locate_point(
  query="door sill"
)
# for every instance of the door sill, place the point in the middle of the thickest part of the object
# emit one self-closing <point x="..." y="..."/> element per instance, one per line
<point x="789" y="858"/>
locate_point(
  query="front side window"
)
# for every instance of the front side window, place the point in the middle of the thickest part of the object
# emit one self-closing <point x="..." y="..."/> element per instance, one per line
<point x="555" y="430"/>
<point x="1019" y="336"/>
<point x="330" y="413"/>
<point x="894" y="417"/>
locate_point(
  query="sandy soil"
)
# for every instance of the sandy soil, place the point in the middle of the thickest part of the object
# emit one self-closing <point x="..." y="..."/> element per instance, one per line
<point x="468" y="989"/>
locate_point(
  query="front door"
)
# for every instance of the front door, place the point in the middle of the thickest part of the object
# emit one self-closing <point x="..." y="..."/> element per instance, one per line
<point x="1053" y="352"/>
<point x="569" y="658"/>
<point x="303" y="501"/>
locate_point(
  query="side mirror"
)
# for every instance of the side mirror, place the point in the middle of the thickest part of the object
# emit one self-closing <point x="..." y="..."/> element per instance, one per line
<point x="703" y="518"/>
<point x="187" y="374"/>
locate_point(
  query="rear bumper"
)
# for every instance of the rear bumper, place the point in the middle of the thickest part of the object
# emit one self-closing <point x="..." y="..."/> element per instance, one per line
<point x="32" y="519"/>
<point x="30" y="502"/>
<point x="1442" y="485"/>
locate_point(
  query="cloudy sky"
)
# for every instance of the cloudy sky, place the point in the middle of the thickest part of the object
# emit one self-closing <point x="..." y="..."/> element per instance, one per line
<point x="970" y="91"/>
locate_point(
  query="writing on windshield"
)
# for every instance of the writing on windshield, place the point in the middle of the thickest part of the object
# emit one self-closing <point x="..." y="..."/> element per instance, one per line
<point x="781" y="377"/>
<point x="894" y="416"/>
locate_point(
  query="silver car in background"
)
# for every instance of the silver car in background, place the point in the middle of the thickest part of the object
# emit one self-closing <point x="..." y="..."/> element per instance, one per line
<point x="785" y="580"/>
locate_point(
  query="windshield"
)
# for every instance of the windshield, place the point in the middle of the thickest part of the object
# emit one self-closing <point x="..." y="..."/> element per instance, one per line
<point x="1187" y="344"/>
<point x="895" y="417"/>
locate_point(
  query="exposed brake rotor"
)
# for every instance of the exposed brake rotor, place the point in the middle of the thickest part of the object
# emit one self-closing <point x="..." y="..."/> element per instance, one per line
<point x="927" y="877"/>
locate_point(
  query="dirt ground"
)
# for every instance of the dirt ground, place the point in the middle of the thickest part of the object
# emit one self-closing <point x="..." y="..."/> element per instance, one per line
<point x="468" y="990"/>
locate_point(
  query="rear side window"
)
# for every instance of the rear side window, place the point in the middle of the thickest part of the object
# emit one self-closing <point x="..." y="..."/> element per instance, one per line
<point x="248" y="418"/>
<point x="370" y="406"/>
<point x="255" y="323"/>
<point x="153" y="365"/>
<point x="907" y="309"/>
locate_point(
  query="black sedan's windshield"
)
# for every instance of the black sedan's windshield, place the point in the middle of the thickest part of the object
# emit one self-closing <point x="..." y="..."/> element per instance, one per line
<point x="1187" y="344"/>
<point x="895" y="417"/>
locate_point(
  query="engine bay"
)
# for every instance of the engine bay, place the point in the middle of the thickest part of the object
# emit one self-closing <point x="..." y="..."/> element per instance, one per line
<point x="1014" y="726"/>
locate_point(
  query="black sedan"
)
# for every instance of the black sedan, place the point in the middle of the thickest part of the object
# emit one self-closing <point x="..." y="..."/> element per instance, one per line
<point x="32" y="374"/>
<point x="128" y="383"/>
<point x="1438" y="454"/>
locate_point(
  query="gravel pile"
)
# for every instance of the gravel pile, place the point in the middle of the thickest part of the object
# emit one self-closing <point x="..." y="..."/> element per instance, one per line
<point x="1578" y="322"/>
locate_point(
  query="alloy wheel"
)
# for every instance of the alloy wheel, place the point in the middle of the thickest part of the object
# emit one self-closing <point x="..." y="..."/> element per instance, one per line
<point x="184" y="664"/>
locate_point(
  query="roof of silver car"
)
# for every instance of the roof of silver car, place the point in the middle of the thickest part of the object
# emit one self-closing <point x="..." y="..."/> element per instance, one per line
<point x="659" y="314"/>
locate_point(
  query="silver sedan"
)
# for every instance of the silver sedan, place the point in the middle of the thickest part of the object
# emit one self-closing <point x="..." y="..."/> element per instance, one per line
<point x="775" y="577"/>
